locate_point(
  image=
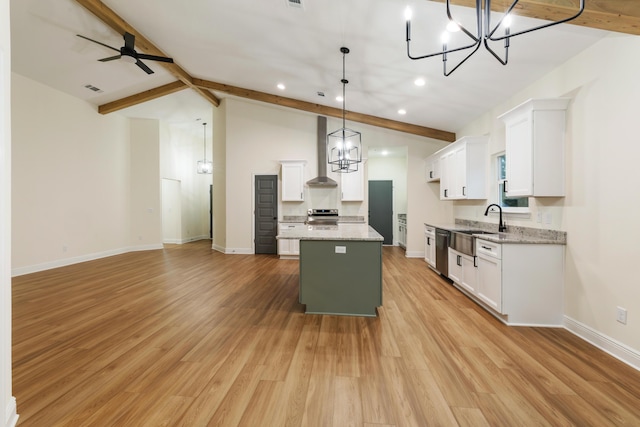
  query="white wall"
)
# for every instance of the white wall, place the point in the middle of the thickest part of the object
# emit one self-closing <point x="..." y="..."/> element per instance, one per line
<point x="257" y="136"/>
<point x="8" y="415"/>
<point x="145" y="207"/>
<point x="600" y="210"/>
<point x="70" y="178"/>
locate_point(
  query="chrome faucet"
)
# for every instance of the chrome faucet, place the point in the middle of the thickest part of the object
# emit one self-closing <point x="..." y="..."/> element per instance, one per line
<point x="501" y="226"/>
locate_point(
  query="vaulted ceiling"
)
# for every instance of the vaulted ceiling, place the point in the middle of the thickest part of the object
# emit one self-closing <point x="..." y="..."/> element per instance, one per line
<point x="244" y="48"/>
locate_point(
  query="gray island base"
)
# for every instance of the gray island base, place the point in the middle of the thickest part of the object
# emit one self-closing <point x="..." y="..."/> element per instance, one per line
<point x="340" y="269"/>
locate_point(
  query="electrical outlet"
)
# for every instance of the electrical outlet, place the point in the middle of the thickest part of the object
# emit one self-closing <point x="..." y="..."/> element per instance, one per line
<point x="621" y="315"/>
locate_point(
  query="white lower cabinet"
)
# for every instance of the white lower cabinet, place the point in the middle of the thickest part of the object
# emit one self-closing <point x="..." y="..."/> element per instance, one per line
<point x="489" y="274"/>
<point x="462" y="270"/>
<point x="430" y="245"/>
<point x="523" y="284"/>
<point x="289" y="248"/>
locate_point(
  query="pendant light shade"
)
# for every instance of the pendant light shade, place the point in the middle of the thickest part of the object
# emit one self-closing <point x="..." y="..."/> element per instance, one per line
<point x="204" y="166"/>
<point x="344" y="146"/>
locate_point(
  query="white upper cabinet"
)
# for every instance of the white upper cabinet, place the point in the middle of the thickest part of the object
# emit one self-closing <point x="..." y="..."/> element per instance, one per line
<point x="534" y="148"/>
<point x="463" y="169"/>
<point x="433" y="168"/>
<point x="292" y="180"/>
<point x="352" y="185"/>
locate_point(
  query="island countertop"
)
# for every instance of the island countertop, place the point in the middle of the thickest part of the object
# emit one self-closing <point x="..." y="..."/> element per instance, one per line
<point x="344" y="231"/>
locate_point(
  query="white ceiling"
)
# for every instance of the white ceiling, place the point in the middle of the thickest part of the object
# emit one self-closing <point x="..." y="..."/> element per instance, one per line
<point x="256" y="44"/>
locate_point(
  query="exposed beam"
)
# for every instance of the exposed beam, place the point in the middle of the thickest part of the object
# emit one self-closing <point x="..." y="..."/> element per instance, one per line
<point x="113" y="20"/>
<point x="622" y="16"/>
<point x="327" y="111"/>
<point x="141" y="97"/>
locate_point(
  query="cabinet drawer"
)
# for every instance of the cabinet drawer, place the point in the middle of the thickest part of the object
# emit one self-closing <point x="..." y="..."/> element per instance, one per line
<point x="486" y="248"/>
<point x="430" y="230"/>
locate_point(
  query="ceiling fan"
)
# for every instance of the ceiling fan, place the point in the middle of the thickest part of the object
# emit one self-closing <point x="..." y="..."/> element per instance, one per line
<point x="129" y="54"/>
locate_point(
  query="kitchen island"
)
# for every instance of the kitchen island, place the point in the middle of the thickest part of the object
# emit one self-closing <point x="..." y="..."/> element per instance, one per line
<point x="340" y="268"/>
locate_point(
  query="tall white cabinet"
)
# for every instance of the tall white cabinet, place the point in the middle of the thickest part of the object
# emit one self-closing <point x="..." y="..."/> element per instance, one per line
<point x="534" y="147"/>
<point x="352" y="185"/>
<point x="292" y="180"/>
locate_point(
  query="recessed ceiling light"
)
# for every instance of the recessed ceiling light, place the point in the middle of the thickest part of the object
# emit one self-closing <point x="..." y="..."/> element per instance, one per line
<point x="385" y="152"/>
<point x="402" y="111"/>
<point x="281" y="86"/>
<point x="419" y="81"/>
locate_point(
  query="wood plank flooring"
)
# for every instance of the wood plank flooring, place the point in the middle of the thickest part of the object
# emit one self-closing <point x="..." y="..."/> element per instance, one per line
<point x="187" y="336"/>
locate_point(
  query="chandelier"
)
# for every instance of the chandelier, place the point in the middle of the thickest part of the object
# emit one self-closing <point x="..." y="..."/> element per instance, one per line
<point x="204" y="166"/>
<point x="344" y="145"/>
<point x="483" y="35"/>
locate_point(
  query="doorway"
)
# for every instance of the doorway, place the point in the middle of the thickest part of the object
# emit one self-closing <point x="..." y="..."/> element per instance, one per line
<point x="381" y="209"/>
<point x="266" y="214"/>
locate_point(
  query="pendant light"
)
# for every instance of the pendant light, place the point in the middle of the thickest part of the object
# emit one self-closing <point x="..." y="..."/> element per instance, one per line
<point x="484" y="33"/>
<point x="344" y="146"/>
<point x="204" y="166"/>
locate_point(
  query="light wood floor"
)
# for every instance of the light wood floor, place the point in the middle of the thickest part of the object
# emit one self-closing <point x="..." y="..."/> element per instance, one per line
<point x="186" y="336"/>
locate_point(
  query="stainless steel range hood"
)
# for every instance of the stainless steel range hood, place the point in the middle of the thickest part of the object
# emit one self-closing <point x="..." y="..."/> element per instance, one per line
<point x="322" y="180"/>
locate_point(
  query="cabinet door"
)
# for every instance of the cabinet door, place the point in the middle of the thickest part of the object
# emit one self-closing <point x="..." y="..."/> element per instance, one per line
<point x="519" y="156"/>
<point x="469" y="279"/>
<point x="455" y="266"/>
<point x="459" y="184"/>
<point x="352" y="184"/>
<point x="293" y="182"/>
<point x="447" y="174"/>
<point x="284" y="247"/>
<point x="433" y="168"/>
<point x="430" y="248"/>
<point x="489" y="288"/>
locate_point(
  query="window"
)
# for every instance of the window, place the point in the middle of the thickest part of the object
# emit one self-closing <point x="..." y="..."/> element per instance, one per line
<point x="508" y="204"/>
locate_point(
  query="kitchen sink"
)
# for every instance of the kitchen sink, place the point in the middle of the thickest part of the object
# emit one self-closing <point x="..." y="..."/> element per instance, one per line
<point x="464" y="242"/>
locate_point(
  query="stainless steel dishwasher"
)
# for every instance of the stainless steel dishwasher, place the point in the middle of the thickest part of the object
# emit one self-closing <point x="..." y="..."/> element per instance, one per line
<point x="442" y="251"/>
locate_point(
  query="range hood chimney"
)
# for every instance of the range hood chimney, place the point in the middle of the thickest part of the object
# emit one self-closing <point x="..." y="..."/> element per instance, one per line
<point x="322" y="180"/>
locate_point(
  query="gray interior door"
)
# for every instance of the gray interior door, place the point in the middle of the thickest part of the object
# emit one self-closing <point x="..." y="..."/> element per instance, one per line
<point x="381" y="209"/>
<point x="266" y="226"/>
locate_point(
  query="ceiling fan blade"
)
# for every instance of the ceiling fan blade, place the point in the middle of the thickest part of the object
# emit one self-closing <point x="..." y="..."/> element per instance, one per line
<point x="155" y="58"/>
<point x="95" y="41"/>
<point x="144" y="67"/>
<point x="111" y="58"/>
<point x="129" y="41"/>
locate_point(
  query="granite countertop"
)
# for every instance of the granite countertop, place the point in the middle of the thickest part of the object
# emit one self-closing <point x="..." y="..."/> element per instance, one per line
<point x="514" y="234"/>
<point x="361" y="232"/>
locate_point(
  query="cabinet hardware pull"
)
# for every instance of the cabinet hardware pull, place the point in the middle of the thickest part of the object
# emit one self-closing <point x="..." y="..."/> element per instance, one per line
<point x="464" y="190"/>
<point x="428" y="241"/>
<point x="475" y="258"/>
<point x="504" y="186"/>
<point x="459" y="260"/>
<point x="430" y="174"/>
<point x="487" y="248"/>
<point x="445" y="192"/>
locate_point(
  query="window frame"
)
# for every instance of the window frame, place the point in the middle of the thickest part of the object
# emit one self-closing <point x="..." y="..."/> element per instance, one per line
<point x="521" y="210"/>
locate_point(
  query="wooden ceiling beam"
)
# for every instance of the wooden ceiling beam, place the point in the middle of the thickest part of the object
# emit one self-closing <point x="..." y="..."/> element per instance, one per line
<point x="113" y="20"/>
<point x="622" y="16"/>
<point x="141" y="97"/>
<point x="326" y="111"/>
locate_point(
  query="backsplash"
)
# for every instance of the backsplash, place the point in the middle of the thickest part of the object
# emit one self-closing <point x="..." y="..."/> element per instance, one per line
<point x="559" y="236"/>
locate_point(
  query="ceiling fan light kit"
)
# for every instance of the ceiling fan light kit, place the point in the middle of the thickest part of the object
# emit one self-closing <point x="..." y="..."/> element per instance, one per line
<point x="484" y="33"/>
<point x="127" y="53"/>
<point x="344" y="145"/>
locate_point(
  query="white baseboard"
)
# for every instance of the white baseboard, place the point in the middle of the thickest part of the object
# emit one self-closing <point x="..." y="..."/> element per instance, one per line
<point x="238" y="251"/>
<point x="12" y="415"/>
<point x="183" y="241"/>
<point x="414" y="254"/>
<point x="82" y="258"/>
<point x="607" y="344"/>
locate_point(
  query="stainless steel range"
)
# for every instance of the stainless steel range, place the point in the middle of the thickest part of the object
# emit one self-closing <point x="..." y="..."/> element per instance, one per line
<point x="322" y="217"/>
